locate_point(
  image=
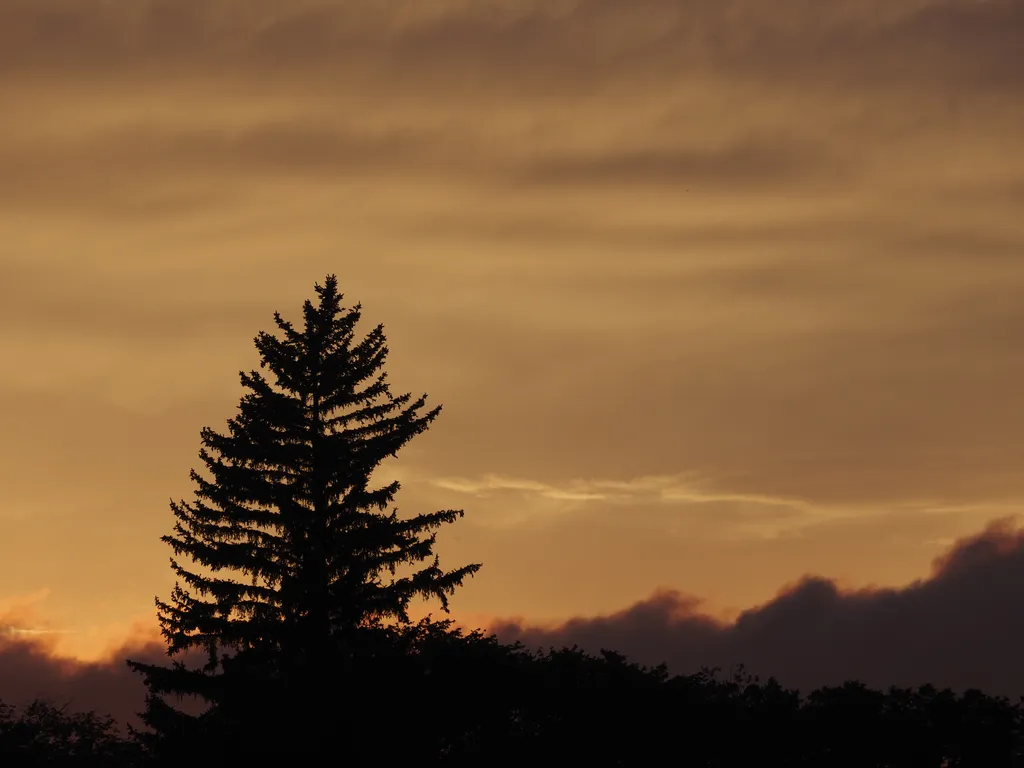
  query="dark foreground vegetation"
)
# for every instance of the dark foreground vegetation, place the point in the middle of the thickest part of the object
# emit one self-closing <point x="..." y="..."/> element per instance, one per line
<point x="295" y="578"/>
<point x="479" y="703"/>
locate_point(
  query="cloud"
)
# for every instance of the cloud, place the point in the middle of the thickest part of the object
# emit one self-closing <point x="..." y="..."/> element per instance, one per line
<point x="32" y="666"/>
<point x="863" y="374"/>
<point x="75" y="316"/>
<point x="549" y="45"/>
<point x="300" y="147"/>
<point x="189" y="161"/>
<point x="749" y="165"/>
<point x="699" y="98"/>
<point x="493" y="482"/>
<point x="681" y="491"/>
<point x="105" y="687"/>
<point x="961" y="627"/>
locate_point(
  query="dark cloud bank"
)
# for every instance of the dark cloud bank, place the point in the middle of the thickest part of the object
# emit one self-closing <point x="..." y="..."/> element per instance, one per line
<point x="109" y="688"/>
<point x="961" y="628"/>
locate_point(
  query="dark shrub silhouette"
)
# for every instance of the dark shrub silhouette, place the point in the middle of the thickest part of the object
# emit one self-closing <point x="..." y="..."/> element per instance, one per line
<point x="45" y="734"/>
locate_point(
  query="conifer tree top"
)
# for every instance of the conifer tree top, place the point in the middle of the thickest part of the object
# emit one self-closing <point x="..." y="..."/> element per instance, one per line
<point x="295" y="553"/>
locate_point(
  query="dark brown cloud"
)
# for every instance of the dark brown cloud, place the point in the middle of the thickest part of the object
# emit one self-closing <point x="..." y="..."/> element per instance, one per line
<point x="961" y="627"/>
<point x="324" y="149"/>
<point x="303" y="148"/>
<point x="540" y="45"/>
<point x="28" y="671"/>
<point x="32" y="667"/>
<point x="752" y="164"/>
<point x="688" y="95"/>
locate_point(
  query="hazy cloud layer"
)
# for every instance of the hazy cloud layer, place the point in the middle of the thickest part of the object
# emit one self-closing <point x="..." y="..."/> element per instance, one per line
<point x="543" y="43"/>
<point x="767" y="254"/>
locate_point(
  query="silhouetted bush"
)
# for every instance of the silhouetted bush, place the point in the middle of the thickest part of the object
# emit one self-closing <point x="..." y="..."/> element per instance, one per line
<point x="42" y="734"/>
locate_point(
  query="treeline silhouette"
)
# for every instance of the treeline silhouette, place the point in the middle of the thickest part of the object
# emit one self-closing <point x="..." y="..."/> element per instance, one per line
<point x="296" y="593"/>
<point x="477" y="702"/>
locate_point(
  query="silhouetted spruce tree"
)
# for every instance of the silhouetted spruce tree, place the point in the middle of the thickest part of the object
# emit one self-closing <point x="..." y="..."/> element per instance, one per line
<point x="301" y="570"/>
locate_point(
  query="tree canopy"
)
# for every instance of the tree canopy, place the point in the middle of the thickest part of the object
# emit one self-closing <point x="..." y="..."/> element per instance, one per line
<point x="301" y="571"/>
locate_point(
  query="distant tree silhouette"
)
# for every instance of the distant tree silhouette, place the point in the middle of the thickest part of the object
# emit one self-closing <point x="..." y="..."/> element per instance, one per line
<point x="44" y="734"/>
<point x="301" y="575"/>
<point x="501" y="705"/>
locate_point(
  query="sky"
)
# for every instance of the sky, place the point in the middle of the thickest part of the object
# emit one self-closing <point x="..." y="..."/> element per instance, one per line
<point x="722" y="299"/>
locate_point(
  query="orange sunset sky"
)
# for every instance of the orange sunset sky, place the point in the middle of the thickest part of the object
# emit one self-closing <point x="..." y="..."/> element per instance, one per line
<point x="717" y="294"/>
